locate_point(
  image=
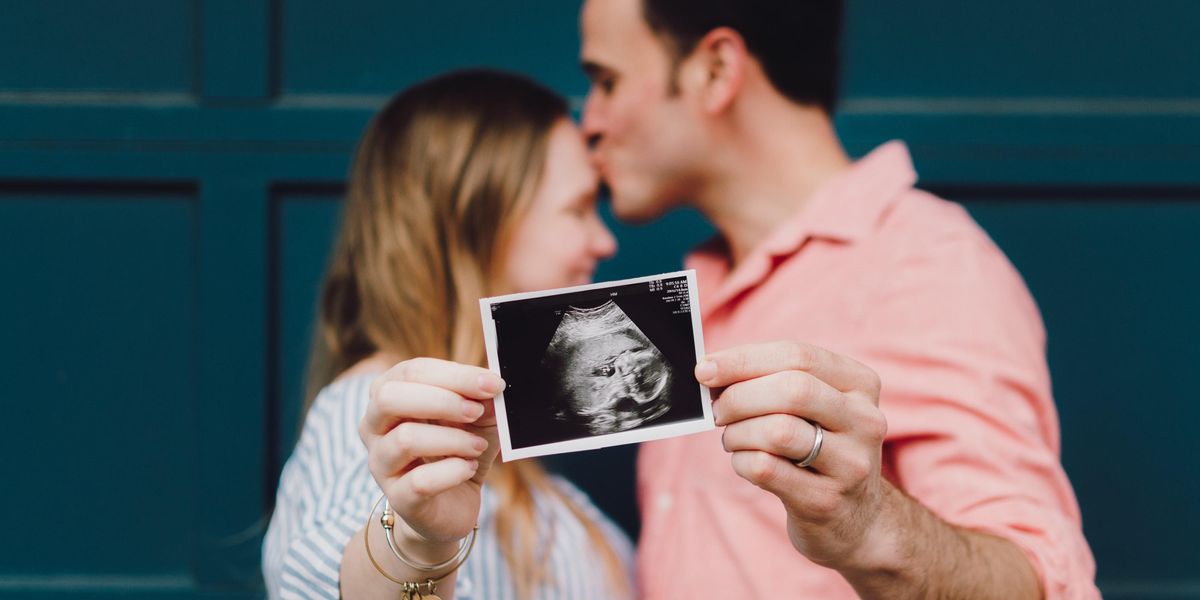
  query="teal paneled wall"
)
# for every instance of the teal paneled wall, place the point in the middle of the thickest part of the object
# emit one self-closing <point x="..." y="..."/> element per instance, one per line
<point x="93" y="353"/>
<point x="1115" y="278"/>
<point x="169" y="180"/>
<point x="1024" y="49"/>
<point x="303" y="220"/>
<point x="397" y="43"/>
<point x="57" y="45"/>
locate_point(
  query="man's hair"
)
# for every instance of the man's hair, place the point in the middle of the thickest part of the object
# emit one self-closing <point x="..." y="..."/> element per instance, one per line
<point x="796" y="41"/>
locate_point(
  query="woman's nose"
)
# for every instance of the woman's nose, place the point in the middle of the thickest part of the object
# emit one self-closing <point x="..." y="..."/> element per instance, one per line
<point x="604" y="244"/>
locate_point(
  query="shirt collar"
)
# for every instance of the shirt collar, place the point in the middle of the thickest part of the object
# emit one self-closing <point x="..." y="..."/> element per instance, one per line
<point x="845" y="209"/>
<point x="849" y="205"/>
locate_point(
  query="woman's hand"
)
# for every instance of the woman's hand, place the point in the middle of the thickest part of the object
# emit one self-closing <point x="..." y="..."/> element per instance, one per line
<point x="430" y="433"/>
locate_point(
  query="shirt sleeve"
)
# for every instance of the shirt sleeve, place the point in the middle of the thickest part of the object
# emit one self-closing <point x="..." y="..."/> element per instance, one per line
<point x="973" y="432"/>
<point x="325" y="493"/>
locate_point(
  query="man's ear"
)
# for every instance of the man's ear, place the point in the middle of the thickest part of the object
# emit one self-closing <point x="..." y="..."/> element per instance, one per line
<point x="719" y="61"/>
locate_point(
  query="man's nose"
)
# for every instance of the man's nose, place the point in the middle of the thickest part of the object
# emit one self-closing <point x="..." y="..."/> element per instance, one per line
<point x="592" y="123"/>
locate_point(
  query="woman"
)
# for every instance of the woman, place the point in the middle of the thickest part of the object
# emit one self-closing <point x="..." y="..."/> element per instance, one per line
<point x="471" y="184"/>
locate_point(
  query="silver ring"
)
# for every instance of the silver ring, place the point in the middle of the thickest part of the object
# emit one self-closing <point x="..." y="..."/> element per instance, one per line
<point x="818" y="439"/>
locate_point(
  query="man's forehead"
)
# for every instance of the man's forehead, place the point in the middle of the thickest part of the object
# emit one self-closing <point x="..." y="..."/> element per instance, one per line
<point x="620" y="12"/>
<point x="605" y="23"/>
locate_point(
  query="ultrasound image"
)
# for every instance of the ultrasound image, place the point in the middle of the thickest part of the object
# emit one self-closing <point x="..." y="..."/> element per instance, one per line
<point x="610" y="375"/>
<point x="595" y="362"/>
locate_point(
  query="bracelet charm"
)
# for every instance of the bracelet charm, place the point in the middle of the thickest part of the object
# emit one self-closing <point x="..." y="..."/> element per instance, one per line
<point x="411" y="590"/>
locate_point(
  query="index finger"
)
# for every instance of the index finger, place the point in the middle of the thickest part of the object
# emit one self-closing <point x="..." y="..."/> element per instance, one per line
<point x="466" y="380"/>
<point x="751" y="361"/>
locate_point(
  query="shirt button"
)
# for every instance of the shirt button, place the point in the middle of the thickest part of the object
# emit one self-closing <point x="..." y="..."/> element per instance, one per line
<point x="664" y="502"/>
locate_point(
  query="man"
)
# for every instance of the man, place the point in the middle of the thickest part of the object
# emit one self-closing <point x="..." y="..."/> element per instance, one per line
<point x="935" y="472"/>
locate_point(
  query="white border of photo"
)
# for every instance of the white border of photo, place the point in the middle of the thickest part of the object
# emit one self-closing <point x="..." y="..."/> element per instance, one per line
<point x="632" y="436"/>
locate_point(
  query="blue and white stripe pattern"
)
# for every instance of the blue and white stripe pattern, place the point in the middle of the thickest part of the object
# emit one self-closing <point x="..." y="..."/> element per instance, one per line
<point x="326" y="491"/>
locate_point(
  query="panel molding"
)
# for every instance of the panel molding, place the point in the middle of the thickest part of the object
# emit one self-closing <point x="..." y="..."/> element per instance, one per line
<point x="96" y="98"/>
<point x="983" y="193"/>
<point x="236" y="56"/>
<point x="232" y="382"/>
<point x="96" y="583"/>
<point x="179" y="189"/>
<point x="1158" y="147"/>
<point x="1150" y="589"/>
<point x="279" y="413"/>
<point x="1013" y="105"/>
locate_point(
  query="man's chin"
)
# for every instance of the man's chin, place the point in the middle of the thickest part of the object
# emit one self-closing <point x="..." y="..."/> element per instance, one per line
<point x="635" y="210"/>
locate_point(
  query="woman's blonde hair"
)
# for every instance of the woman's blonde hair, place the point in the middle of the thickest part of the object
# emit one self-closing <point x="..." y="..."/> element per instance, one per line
<point x="440" y="177"/>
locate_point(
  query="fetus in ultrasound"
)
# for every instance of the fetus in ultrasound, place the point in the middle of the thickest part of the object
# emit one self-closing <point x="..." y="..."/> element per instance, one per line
<point x="609" y="376"/>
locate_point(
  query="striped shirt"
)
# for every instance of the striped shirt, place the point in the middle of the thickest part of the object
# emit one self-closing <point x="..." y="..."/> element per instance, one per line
<point x="326" y="491"/>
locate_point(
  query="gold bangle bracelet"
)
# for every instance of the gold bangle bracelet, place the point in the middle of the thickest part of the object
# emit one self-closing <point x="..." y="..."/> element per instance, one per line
<point x="388" y="520"/>
<point x="411" y="587"/>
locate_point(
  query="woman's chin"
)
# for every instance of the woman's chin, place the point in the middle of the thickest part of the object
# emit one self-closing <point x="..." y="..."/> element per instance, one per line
<point x="578" y="279"/>
<point x="568" y="280"/>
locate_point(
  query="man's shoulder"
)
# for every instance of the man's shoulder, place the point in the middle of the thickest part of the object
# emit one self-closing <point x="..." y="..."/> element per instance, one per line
<point x="921" y="223"/>
<point x="924" y="215"/>
<point x="937" y="238"/>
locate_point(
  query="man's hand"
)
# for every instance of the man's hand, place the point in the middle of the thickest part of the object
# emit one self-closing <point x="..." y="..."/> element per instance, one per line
<point x="841" y="512"/>
<point x="774" y="395"/>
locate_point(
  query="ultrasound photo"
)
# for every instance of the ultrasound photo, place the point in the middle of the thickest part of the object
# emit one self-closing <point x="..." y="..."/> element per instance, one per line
<point x="597" y="365"/>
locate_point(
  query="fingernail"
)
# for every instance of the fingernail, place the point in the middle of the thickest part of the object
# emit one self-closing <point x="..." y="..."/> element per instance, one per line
<point x="472" y="410"/>
<point x="490" y="384"/>
<point x="480" y="444"/>
<point x="706" y="370"/>
<point x="473" y="465"/>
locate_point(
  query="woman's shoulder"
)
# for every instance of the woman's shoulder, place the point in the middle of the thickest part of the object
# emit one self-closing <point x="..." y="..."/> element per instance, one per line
<point x="351" y="390"/>
<point x="348" y="393"/>
<point x="330" y="431"/>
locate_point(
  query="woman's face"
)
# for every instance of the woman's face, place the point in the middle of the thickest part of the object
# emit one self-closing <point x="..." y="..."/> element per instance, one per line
<point x="561" y="238"/>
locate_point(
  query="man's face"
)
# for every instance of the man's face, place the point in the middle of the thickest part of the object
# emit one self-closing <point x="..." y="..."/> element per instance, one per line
<point x="645" y="137"/>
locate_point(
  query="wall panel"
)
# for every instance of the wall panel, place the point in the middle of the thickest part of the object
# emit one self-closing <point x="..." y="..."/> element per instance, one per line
<point x="363" y="47"/>
<point x="1113" y="273"/>
<point x="1004" y="51"/>
<point x="99" y="378"/>
<point x="59" y="46"/>
<point x="304" y="219"/>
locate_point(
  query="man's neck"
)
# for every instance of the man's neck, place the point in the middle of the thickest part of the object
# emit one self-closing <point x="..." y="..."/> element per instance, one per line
<point x="769" y="171"/>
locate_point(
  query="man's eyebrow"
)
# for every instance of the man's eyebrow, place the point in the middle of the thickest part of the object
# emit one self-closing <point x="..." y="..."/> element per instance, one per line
<point x="593" y="69"/>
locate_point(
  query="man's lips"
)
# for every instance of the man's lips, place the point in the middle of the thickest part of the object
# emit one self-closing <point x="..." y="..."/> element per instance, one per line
<point x="600" y="165"/>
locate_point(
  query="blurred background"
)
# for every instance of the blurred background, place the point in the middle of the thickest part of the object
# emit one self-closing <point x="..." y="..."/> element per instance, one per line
<point x="170" y="173"/>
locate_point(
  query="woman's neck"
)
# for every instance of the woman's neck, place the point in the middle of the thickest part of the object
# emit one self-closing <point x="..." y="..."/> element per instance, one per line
<point x="376" y="364"/>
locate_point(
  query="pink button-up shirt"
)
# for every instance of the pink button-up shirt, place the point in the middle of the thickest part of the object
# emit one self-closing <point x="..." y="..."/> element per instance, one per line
<point x="909" y="285"/>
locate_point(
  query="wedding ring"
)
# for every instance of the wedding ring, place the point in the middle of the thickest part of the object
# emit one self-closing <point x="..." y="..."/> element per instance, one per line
<point x="818" y="439"/>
